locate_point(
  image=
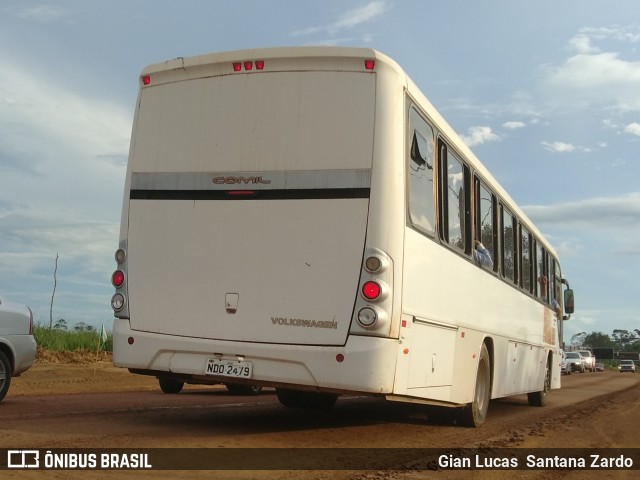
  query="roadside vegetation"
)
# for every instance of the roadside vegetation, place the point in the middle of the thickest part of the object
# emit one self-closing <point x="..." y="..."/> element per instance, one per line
<point x="619" y="340"/>
<point x="80" y="338"/>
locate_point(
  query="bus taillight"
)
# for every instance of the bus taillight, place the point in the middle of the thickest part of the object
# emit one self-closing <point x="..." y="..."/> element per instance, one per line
<point x="117" y="279"/>
<point x="371" y="290"/>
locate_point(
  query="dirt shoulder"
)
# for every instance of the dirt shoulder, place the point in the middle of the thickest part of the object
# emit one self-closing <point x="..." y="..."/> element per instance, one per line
<point x="59" y="373"/>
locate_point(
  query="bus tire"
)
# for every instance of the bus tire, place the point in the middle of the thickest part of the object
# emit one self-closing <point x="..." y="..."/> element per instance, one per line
<point x="170" y="385"/>
<point x="475" y="413"/>
<point x="539" y="399"/>
<point x="302" y="399"/>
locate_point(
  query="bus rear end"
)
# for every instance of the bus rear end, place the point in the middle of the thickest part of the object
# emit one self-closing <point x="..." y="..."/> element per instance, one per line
<point x="243" y="252"/>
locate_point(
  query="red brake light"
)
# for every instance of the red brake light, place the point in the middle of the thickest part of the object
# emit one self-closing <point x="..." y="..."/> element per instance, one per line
<point x="240" y="193"/>
<point x="369" y="64"/>
<point x="117" y="278"/>
<point x="371" y="290"/>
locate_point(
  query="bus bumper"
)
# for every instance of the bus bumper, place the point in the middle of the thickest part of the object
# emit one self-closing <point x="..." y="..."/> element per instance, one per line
<point x="364" y="364"/>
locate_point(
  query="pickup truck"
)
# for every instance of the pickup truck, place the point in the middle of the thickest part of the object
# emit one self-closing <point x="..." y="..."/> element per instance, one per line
<point x="590" y="360"/>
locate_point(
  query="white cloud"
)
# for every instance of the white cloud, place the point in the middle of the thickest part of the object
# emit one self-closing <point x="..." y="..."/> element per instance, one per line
<point x="348" y="19"/>
<point x="633" y="128"/>
<point x="622" y="34"/>
<point x="596" y="77"/>
<point x="57" y="114"/>
<point x="479" y="135"/>
<point x="562" y="147"/>
<point x="513" y="125"/>
<point x="582" y="44"/>
<point x="597" y="213"/>
<point x="559" y="147"/>
<point x="42" y="13"/>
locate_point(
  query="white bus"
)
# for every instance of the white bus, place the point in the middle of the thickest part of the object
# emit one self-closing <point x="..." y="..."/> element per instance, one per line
<point x="304" y="219"/>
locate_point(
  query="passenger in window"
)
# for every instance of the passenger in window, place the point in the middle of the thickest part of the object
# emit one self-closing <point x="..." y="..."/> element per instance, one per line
<point x="542" y="281"/>
<point x="482" y="256"/>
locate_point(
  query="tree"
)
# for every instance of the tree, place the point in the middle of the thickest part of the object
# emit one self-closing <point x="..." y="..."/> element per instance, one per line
<point x="623" y="339"/>
<point x="83" y="327"/>
<point x="61" y="325"/>
<point x="578" y="339"/>
<point x="598" y="340"/>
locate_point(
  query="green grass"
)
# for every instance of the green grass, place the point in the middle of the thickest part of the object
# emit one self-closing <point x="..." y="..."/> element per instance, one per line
<point x="71" y="341"/>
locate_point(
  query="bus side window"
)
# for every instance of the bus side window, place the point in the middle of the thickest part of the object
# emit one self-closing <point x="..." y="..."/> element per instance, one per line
<point x="454" y="198"/>
<point x="542" y="284"/>
<point x="525" y="257"/>
<point x="509" y="258"/>
<point x="557" y="284"/>
<point x="421" y="195"/>
<point x="485" y="216"/>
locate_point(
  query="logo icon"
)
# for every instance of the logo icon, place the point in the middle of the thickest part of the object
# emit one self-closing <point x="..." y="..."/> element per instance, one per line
<point x="23" y="459"/>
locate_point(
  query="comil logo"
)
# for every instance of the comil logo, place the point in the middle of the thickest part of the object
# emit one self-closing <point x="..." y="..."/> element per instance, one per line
<point x="23" y="459"/>
<point x="231" y="180"/>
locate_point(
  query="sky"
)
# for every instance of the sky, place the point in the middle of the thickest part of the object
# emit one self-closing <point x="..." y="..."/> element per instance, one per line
<point x="546" y="94"/>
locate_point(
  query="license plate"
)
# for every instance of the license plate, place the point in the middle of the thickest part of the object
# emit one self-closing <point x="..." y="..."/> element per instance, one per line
<point x="229" y="368"/>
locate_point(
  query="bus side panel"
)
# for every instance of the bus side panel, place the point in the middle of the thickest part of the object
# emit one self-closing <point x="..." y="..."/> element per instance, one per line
<point x="445" y="289"/>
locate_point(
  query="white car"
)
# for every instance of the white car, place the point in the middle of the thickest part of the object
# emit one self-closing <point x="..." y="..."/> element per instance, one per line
<point x="589" y="360"/>
<point x="565" y="365"/>
<point x="17" y="344"/>
<point x="627" y="366"/>
<point x="575" y="362"/>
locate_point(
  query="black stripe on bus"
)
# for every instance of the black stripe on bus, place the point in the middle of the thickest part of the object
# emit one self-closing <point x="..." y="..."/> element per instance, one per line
<point x="284" y="194"/>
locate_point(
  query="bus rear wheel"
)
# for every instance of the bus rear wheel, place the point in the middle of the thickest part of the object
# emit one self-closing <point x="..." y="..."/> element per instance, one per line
<point x="539" y="399"/>
<point x="302" y="399"/>
<point x="475" y="413"/>
<point x="170" y="385"/>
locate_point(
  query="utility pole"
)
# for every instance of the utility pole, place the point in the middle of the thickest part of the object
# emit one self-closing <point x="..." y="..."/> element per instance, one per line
<point x="55" y="282"/>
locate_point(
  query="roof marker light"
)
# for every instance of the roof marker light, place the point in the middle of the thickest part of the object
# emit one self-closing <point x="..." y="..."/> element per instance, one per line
<point x="146" y="79"/>
<point x="369" y="64"/>
<point x="248" y="65"/>
<point x="237" y="66"/>
<point x="259" y="64"/>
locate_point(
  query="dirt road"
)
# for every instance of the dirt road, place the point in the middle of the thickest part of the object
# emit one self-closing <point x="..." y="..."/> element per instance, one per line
<point x="93" y="405"/>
